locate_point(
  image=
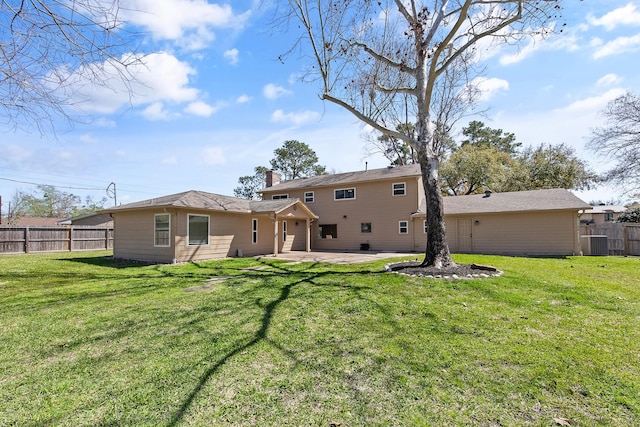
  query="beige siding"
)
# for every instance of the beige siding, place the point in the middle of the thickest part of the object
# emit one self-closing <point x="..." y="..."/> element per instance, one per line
<point x="228" y="232"/>
<point x="133" y="237"/>
<point x="374" y="203"/>
<point x="544" y="233"/>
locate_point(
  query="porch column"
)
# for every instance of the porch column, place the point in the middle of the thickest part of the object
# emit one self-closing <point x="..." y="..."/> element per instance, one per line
<point x="275" y="236"/>
<point x="308" y="235"/>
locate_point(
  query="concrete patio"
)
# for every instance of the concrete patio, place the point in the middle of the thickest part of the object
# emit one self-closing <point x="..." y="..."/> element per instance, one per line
<point x="344" y="257"/>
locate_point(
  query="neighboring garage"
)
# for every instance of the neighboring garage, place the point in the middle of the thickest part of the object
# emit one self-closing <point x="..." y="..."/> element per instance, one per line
<point x="538" y="222"/>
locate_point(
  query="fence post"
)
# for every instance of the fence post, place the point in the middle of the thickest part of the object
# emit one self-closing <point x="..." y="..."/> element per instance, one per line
<point x="26" y="239"/>
<point x="70" y="237"/>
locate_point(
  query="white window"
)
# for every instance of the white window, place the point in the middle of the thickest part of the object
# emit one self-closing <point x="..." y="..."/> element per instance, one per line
<point x="198" y="230"/>
<point x="254" y="230"/>
<point x="403" y="227"/>
<point x="344" y="193"/>
<point x="399" y="189"/>
<point x="279" y="196"/>
<point x="162" y="230"/>
<point x="284" y="231"/>
<point x="309" y="197"/>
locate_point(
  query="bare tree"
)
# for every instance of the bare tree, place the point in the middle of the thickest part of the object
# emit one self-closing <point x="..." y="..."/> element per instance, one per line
<point x="372" y="56"/>
<point x="49" y="46"/>
<point x="619" y="141"/>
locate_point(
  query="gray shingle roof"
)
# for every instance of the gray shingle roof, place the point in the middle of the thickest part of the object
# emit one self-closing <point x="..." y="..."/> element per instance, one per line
<point x="346" y="178"/>
<point x="210" y="201"/>
<point x="517" y="201"/>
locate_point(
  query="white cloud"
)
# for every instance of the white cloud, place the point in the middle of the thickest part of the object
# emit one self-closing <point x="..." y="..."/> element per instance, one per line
<point x="618" y="46"/>
<point x="626" y="15"/>
<point x="16" y="153"/>
<point x="87" y="138"/>
<point x="280" y="116"/>
<point x="157" y="77"/>
<point x="213" y="156"/>
<point x="609" y="80"/>
<point x="170" y="160"/>
<point x="202" y="109"/>
<point x="187" y="22"/>
<point x="526" y="51"/>
<point x="565" y="42"/>
<point x="490" y="87"/>
<point x="232" y="55"/>
<point x="273" y="91"/>
<point x="593" y="103"/>
<point x="243" y="99"/>
<point x="155" y="112"/>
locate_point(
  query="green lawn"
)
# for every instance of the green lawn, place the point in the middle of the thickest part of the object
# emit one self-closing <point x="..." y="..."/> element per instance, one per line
<point x="86" y="341"/>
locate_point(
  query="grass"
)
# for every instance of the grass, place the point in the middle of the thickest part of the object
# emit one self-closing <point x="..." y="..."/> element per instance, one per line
<point x="86" y="341"/>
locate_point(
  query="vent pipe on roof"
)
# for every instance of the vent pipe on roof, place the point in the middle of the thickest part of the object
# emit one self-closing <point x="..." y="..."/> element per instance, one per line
<point x="487" y="193"/>
<point x="366" y="166"/>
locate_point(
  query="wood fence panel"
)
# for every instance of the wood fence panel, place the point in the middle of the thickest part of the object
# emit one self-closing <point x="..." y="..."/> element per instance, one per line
<point x="12" y="240"/>
<point x="54" y="239"/>
<point x="48" y="239"/>
<point x="622" y="238"/>
<point x="632" y="235"/>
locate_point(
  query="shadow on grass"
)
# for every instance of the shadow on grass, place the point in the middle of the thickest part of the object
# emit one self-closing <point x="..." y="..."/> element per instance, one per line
<point x="108" y="261"/>
<point x="262" y="333"/>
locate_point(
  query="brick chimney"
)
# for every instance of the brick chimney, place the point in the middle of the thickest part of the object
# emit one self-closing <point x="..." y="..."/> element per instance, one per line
<point x="273" y="178"/>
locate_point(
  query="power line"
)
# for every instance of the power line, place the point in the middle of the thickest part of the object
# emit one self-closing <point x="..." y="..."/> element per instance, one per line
<point x="76" y="187"/>
<point x="57" y="186"/>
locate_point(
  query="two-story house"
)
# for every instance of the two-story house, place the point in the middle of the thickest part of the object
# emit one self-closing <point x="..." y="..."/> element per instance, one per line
<point x="358" y="210"/>
<point x="380" y="209"/>
<point x="385" y="210"/>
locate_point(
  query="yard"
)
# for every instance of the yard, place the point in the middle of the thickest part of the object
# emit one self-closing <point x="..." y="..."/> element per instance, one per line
<point x="88" y="341"/>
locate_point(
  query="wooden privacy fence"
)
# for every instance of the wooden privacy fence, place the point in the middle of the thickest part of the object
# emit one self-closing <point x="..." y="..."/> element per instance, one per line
<point x="622" y="238"/>
<point x="54" y="239"/>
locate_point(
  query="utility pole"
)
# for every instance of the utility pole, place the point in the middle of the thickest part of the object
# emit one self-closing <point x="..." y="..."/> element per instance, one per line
<point x="111" y="193"/>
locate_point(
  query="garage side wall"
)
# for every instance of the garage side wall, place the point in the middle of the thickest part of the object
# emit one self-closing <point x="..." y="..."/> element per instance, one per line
<point x="543" y="233"/>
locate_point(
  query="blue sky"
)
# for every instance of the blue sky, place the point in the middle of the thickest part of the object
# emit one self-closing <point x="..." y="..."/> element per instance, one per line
<point x="214" y="102"/>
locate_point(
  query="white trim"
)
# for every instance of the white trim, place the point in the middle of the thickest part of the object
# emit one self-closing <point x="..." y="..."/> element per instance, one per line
<point x="208" y="230"/>
<point x="344" y="189"/>
<point x="400" y="227"/>
<point x="313" y="196"/>
<point x="404" y="189"/>
<point x="155" y="231"/>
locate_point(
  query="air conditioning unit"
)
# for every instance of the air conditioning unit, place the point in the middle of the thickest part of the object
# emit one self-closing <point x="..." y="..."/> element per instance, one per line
<point x="594" y="245"/>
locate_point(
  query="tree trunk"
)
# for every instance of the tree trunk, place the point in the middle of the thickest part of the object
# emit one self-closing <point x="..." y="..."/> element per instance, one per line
<point x="437" y="251"/>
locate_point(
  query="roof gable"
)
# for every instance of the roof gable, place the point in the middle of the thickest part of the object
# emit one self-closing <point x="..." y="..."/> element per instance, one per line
<point x="388" y="173"/>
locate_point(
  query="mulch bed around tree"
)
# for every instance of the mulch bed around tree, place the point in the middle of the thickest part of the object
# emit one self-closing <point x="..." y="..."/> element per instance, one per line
<point x="457" y="271"/>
